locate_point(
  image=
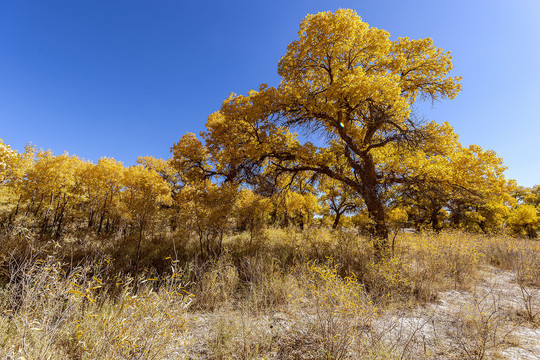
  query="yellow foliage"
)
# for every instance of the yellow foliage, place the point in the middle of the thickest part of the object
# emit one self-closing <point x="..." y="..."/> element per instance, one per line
<point x="6" y="155"/>
<point x="251" y="212"/>
<point x="524" y="220"/>
<point x="144" y="191"/>
<point x="397" y="216"/>
<point x="296" y="207"/>
<point x="336" y="294"/>
<point x="205" y="209"/>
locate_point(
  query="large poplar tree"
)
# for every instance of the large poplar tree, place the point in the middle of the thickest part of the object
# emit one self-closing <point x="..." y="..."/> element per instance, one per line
<point x="351" y="88"/>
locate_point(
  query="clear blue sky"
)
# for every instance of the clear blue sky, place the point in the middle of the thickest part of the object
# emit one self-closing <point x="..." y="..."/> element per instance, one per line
<point x="128" y="78"/>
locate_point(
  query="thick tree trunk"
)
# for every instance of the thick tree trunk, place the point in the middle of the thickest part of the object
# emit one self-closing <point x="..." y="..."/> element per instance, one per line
<point x="482" y="226"/>
<point x="531" y="232"/>
<point x="370" y="191"/>
<point x="435" y="223"/>
<point x="336" y="220"/>
<point x="379" y="230"/>
<point x="457" y="216"/>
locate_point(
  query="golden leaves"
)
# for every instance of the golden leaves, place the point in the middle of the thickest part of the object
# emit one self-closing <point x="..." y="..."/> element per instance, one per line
<point x="524" y="220"/>
<point x="6" y="154"/>
<point x="339" y="62"/>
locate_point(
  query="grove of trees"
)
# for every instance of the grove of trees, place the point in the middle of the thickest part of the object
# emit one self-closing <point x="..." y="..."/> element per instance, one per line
<point x="336" y="143"/>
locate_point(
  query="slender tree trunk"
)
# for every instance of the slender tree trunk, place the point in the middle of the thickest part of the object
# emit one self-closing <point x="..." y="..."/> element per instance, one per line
<point x="100" y="225"/>
<point x="59" y="225"/>
<point x="91" y="219"/>
<point x="251" y="231"/>
<point x="220" y="242"/>
<point x="18" y="203"/>
<point x="208" y="237"/>
<point x="139" y="247"/>
<point x="60" y="209"/>
<point x="201" y="240"/>
<point x="29" y="207"/>
<point x="13" y="215"/>
<point x="103" y="213"/>
<point x="39" y="206"/>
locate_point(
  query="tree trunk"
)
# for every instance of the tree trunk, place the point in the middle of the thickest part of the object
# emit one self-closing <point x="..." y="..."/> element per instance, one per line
<point x="457" y="216"/>
<point x="100" y="225"/>
<point x="138" y="258"/>
<point x="435" y="223"/>
<point x="59" y="225"/>
<point x="482" y="226"/>
<point x="39" y="206"/>
<point x="370" y="190"/>
<point x="208" y="242"/>
<point x="18" y="203"/>
<point x="379" y="230"/>
<point x="31" y="203"/>
<point x="336" y="220"/>
<point x="13" y="215"/>
<point x="201" y="240"/>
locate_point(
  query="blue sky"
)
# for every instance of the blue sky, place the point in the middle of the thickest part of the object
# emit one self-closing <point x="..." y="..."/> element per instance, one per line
<point x="128" y="78"/>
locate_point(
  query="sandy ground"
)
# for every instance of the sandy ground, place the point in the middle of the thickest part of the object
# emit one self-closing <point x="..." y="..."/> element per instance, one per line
<point x="491" y="316"/>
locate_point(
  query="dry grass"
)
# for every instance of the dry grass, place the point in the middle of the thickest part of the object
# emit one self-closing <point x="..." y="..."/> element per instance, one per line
<point x="51" y="310"/>
<point x="289" y="294"/>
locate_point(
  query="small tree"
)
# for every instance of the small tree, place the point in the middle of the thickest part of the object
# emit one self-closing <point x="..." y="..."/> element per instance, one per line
<point x="144" y="192"/>
<point x="207" y="208"/>
<point x="251" y="212"/>
<point x="339" y="198"/>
